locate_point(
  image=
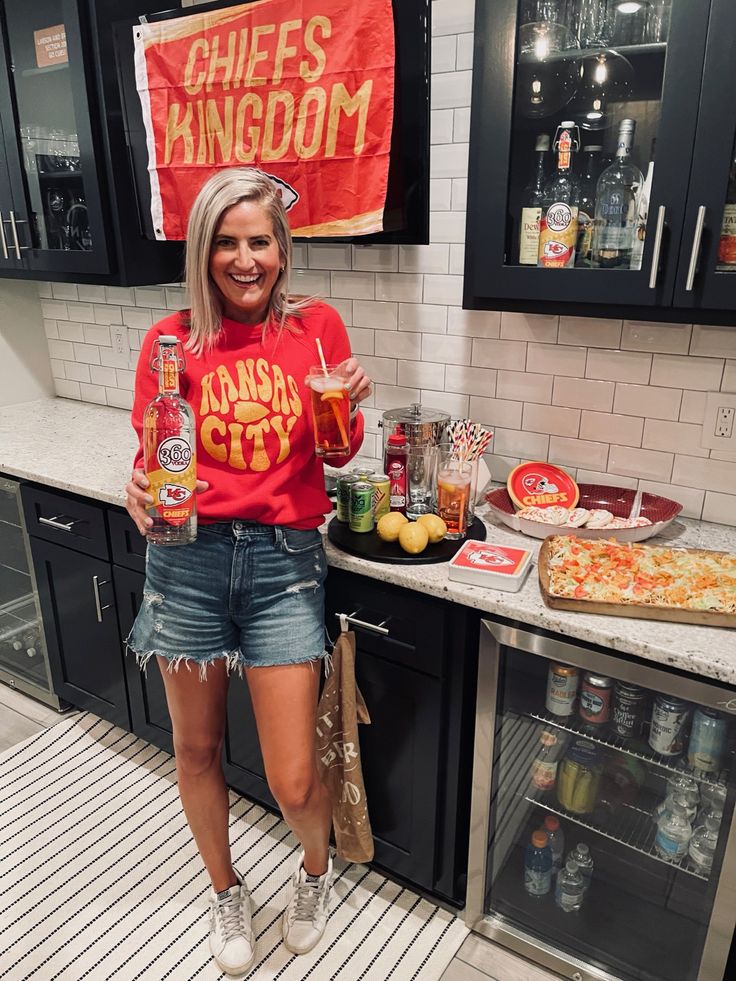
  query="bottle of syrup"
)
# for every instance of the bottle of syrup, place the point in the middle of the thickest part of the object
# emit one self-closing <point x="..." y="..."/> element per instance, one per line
<point x="396" y="466"/>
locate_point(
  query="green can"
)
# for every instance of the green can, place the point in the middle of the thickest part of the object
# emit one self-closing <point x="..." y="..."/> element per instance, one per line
<point x="363" y="473"/>
<point x="342" y="497"/>
<point x="361" y="506"/>
<point x="381" y="490"/>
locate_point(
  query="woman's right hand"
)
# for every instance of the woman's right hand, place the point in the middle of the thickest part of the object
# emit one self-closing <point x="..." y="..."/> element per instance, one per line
<point x="137" y="499"/>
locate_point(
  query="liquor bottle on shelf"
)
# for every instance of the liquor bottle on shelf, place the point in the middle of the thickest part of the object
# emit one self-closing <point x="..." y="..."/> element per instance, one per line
<point x="727" y="244"/>
<point x="543" y="773"/>
<point x="531" y="207"/>
<point x="616" y="205"/>
<point x="586" y="208"/>
<point x="642" y="214"/>
<point x="558" y="229"/>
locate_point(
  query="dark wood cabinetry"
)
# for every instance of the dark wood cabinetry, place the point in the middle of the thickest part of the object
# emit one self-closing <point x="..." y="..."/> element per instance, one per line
<point x="676" y="87"/>
<point x="68" y="207"/>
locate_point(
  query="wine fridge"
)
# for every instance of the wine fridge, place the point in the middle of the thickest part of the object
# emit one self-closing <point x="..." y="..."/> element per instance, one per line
<point x="603" y="843"/>
<point x="23" y="657"/>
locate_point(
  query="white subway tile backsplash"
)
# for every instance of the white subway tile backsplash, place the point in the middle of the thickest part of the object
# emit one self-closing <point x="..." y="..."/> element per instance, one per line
<point x="473" y="381"/>
<point x="729" y="377"/>
<point x="119" y="294"/>
<point x="440" y="196"/>
<point x="675" y="437"/>
<point x="461" y="125"/>
<point x="50" y="328"/>
<point x="176" y="298"/>
<point x="443" y="289"/>
<point x="451" y="90"/>
<point x="64" y="291"/>
<point x="692" y="408"/>
<point x="401" y="344"/>
<point x="424" y="258"/>
<point x="452" y="16"/>
<point x="416" y="374"/>
<point x="447" y="350"/>
<point x="457" y="259"/>
<point x="138" y="317"/>
<point x="67" y="389"/>
<point x="524" y="386"/>
<point x="81" y="312"/>
<point x="556" y="359"/>
<point x="605" y="426"/>
<point x="500" y="466"/>
<point x="75" y="371"/>
<point x="404" y="287"/>
<point x="102" y="376"/>
<point x="679" y="371"/>
<point x="495" y="412"/>
<point x="639" y="335"/>
<point x="449" y="160"/>
<point x="714" y="342"/>
<point x="62" y="350"/>
<point x="499" y="354"/>
<point x="634" y="462"/>
<point x="607" y="479"/>
<point x="393" y="397"/>
<point x="552" y="419"/>
<point x="57" y="368"/>
<point x="111" y="359"/>
<point x="87" y="353"/>
<point x="720" y="507"/>
<point x="456" y="405"/>
<point x="473" y="323"/>
<point x="299" y="255"/>
<point x="353" y="285"/>
<point x="517" y="443"/>
<point x="584" y="393"/>
<point x="149" y="296"/>
<point x="344" y="307"/>
<point x="577" y="452"/>
<point x="376" y="314"/>
<point x="441" y="125"/>
<point x="69" y="331"/>
<point x="106" y="315"/>
<point x="447" y="226"/>
<point x="310" y="282"/>
<point x="376" y="258"/>
<point x="380" y="370"/>
<point x="126" y="379"/>
<point x="647" y="401"/>
<point x="423" y="317"/>
<point x="540" y="328"/>
<point x="54" y="310"/>
<point x="96" y="335"/>
<point x="330" y="257"/>
<point x="690" y="498"/>
<point x="444" y="49"/>
<point x="362" y="340"/>
<point x="712" y="475"/>
<point x="464" y="59"/>
<point x="91" y="294"/>
<point x="119" y="398"/>
<point x="459" y="199"/>
<point x="623" y="366"/>
<point x="93" y="393"/>
<point x="590" y="331"/>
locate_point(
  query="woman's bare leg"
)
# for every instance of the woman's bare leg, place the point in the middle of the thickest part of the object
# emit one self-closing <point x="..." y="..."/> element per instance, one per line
<point x="284" y="701"/>
<point x="197" y="709"/>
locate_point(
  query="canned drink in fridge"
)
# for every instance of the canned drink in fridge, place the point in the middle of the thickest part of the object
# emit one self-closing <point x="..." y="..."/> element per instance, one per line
<point x="669" y="721"/>
<point x="361" y="506"/>
<point x="381" y="491"/>
<point x="344" y="483"/>
<point x="707" y="740"/>
<point x="362" y="472"/>
<point x="629" y="703"/>
<point x="562" y="687"/>
<point x="595" y="699"/>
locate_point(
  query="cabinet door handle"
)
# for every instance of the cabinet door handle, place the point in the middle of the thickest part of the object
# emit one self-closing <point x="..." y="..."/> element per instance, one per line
<point x="96" y="583"/>
<point x="16" y="242"/>
<point x="659" y="231"/>
<point x="377" y="628"/>
<point x="55" y="523"/>
<point x="695" y="252"/>
<point x="3" y="240"/>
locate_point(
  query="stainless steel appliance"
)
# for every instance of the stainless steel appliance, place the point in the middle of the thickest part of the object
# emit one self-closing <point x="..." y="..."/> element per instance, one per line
<point x="644" y="916"/>
<point x="420" y="424"/>
<point x="23" y="657"/>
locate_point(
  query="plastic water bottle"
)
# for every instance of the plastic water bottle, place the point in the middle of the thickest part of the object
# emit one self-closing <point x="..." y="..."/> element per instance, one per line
<point x="702" y="846"/>
<point x="538" y="865"/>
<point x="570" y="888"/>
<point x="581" y="855"/>
<point x="556" y="838"/>
<point x="673" y="833"/>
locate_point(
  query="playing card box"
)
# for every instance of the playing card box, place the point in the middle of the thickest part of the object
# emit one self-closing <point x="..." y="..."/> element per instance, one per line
<point x="495" y="566"/>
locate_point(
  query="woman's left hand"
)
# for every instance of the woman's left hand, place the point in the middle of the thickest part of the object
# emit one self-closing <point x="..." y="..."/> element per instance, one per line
<point x="359" y="384"/>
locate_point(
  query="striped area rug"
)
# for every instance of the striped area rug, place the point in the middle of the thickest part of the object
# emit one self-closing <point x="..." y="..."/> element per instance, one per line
<point x="99" y="877"/>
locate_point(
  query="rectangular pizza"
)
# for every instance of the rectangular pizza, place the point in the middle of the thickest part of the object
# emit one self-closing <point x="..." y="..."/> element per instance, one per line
<point x="606" y="571"/>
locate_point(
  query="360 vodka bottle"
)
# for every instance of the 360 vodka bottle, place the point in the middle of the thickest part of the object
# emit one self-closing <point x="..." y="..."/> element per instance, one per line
<point x="169" y="451"/>
<point x="558" y="229"/>
<point x="616" y="205"/>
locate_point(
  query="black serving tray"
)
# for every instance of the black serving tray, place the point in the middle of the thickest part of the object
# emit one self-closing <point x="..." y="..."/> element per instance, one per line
<point x="367" y="545"/>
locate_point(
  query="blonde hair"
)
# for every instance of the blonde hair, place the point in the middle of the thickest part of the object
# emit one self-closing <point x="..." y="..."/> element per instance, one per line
<point x="225" y="188"/>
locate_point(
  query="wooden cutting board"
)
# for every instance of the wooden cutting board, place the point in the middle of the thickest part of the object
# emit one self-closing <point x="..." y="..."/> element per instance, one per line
<point x="641" y="611"/>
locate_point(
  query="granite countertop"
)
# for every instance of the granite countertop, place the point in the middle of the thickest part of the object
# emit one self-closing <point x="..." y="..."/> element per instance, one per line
<point x="87" y="449"/>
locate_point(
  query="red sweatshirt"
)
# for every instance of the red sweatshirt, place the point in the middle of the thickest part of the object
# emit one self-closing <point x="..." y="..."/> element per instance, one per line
<point x="255" y="442"/>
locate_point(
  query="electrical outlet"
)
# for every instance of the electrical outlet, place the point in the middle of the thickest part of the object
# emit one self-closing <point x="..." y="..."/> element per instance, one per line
<point x="119" y="337"/>
<point x="719" y="422"/>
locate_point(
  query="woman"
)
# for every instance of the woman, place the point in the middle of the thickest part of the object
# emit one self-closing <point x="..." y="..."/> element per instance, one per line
<point x="248" y="593"/>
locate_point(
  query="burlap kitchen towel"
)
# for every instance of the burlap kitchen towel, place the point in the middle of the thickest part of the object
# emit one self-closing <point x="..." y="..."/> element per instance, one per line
<point x="340" y="709"/>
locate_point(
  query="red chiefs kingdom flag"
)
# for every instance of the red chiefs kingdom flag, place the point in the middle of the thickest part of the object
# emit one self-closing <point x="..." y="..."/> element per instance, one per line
<point x="303" y="89"/>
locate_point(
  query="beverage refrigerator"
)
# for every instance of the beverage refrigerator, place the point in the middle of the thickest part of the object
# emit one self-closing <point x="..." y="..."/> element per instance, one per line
<point x="625" y="746"/>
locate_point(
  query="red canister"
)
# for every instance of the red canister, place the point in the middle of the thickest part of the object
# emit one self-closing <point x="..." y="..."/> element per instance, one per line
<point x="595" y="699"/>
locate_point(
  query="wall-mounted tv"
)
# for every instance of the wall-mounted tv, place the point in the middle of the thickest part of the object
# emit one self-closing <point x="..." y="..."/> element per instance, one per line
<point x="406" y="209"/>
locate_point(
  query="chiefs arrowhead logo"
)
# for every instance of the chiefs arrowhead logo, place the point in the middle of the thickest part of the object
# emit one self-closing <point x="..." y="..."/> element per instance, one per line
<point x="173" y="494"/>
<point x="288" y="195"/>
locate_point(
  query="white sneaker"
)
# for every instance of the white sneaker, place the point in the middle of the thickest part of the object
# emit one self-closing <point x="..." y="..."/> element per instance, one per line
<point x="305" y="916"/>
<point x="231" y="935"/>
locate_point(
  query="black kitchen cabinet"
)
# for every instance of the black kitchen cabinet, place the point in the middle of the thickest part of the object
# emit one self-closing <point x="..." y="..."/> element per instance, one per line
<point x="538" y="64"/>
<point x="68" y="207"/>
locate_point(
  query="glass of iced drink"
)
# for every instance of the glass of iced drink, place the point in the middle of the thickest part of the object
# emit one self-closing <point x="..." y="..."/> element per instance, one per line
<point x="330" y="409"/>
<point x="454" y="479"/>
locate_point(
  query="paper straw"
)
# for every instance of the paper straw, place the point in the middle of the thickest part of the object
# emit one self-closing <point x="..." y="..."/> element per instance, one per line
<point x="321" y="356"/>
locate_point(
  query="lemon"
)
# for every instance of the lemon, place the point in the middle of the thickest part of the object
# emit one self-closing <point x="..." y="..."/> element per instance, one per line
<point x="389" y="525"/>
<point x="435" y="526"/>
<point x="413" y="538"/>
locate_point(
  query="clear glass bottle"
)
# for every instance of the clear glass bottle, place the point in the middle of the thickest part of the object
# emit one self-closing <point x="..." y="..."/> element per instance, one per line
<point x="581" y="855"/>
<point x="558" y="228"/>
<point x="543" y="771"/>
<point x="616" y="205"/>
<point x="531" y="206"/>
<point x="673" y="834"/>
<point x="169" y="451"/>
<point x="586" y="208"/>
<point x="570" y="888"/>
<point x="702" y="846"/>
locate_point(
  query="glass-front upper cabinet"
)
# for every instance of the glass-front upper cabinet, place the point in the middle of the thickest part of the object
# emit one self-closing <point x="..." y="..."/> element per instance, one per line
<point x="55" y="222"/>
<point x="582" y="129"/>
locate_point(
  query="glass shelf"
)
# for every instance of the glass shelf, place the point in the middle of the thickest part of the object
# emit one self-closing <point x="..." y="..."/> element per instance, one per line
<point x="623" y="746"/>
<point x="627" y="50"/>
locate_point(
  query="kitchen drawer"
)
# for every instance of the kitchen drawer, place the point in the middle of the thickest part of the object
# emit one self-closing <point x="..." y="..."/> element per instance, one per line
<point x="66" y="520"/>
<point x="127" y="545"/>
<point x="416" y="624"/>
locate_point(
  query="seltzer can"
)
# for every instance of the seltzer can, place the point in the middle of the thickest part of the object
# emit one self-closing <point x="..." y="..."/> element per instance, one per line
<point x="707" y="740"/>
<point x="363" y="472"/>
<point x="595" y="699"/>
<point x="669" y="720"/>
<point x="628" y="710"/>
<point x="361" y="506"/>
<point x="342" y="498"/>
<point x="562" y="687"/>
<point x="381" y="489"/>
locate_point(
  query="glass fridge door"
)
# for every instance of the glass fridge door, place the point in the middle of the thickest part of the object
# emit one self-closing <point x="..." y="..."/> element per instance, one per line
<point x="611" y="793"/>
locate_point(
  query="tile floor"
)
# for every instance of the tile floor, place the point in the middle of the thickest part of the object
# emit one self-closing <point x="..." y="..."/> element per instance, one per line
<point x="477" y="959"/>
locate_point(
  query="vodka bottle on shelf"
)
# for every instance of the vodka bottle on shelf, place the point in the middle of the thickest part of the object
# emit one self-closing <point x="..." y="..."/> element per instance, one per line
<point x="642" y="214"/>
<point x="531" y="207"/>
<point x="558" y="230"/>
<point x="586" y="208"/>
<point x="616" y="205"/>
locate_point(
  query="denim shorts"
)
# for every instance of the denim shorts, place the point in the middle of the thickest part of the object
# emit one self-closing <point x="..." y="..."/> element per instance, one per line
<point x="243" y="592"/>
